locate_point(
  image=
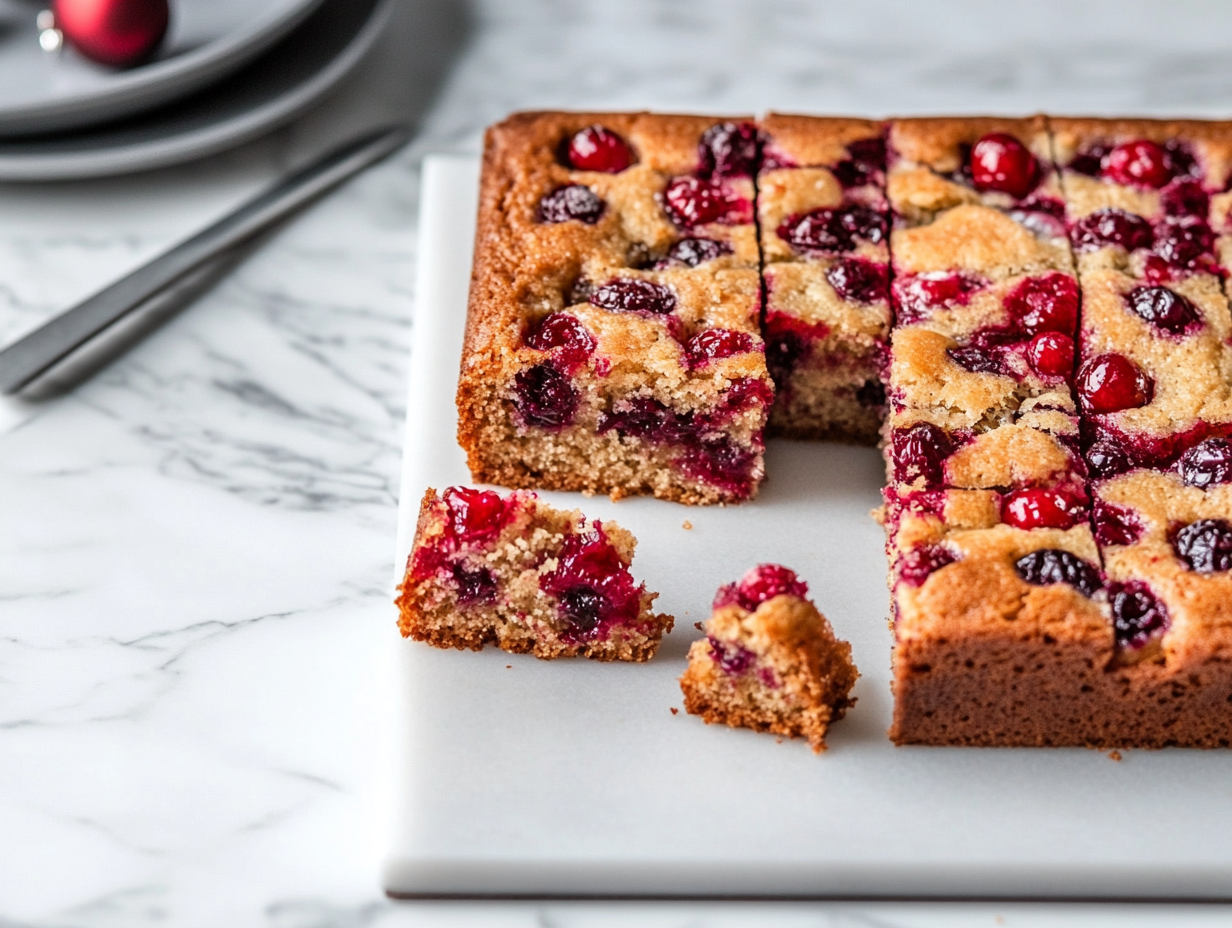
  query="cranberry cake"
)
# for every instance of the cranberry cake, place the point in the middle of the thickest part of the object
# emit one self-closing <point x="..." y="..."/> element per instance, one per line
<point x="769" y="661"/>
<point x="519" y="574"/>
<point x="825" y="247"/>
<point x="612" y="340"/>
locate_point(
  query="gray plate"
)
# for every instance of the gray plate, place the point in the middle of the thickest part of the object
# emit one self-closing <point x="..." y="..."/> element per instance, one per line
<point x="316" y="55"/>
<point x="207" y="40"/>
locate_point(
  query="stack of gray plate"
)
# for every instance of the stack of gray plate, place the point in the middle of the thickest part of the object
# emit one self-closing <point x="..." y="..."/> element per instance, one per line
<point x="228" y="71"/>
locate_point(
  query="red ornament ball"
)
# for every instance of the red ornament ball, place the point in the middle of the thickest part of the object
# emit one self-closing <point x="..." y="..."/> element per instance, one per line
<point x="119" y="33"/>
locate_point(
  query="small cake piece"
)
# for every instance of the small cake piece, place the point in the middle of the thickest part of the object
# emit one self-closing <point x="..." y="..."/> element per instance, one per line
<point x="825" y="246"/>
<point x="612" y="341"/>
<point x="519" y="574"/>
<point x="770" y="661"/>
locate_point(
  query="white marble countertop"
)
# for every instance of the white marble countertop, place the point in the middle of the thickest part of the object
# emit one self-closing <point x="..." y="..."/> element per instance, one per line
<point x="196" y="547"/>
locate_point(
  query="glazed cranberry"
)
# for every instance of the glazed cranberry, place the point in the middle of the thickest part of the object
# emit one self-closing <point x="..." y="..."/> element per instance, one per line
<point x="1140" y="164"/>
<point x="833" y="230"/>
<point x="1001" y="162"/>
<point x="1107" y="458"/>
<point x="919" y="452"/>
<point x="1183" y="242"/>
<point x="1114" y="525"/>
<point x="692" y="252"/>
<point x="1163" y="308"/>
<point x="859" y="281"/>
<point x="1137" y="614"/>
<point x="473" y="515"/>
<point x="1207" y="463"/>
<point x="1185" y="197"/>
<point x="714" y="344"/>
<point x="1051" y="354"/>
<point x="1156" y="270"/>
<point x="721" y="463"/>
<point x="1048" y="303"/>
<point x="919" y="563"/>
<point x="564" y="334"/>
<point x="975" y="359"/>
<point x="1205" y="545"/>
<point x="915" y="297"/>
<point x="1089" y="161"/>
<point x="763" y="582"/>
<point x="634" y="295"/>
<point x="592" y="585"/>
<point x="731" y="656"/>
<point x="1112" y="382"/>
<point x="1112" y="226"/>
<point x="871" y="393"/>
<point x="572" y="202"/>
<point x="544" y="397"/>
<point x="695" y="201"/>
<point x="1052" y="565"/>
<point x="596" y="148"/>
<point x="1039" y="508"/>
<point x="729" y="149"/>
<point x="474" y="586"/>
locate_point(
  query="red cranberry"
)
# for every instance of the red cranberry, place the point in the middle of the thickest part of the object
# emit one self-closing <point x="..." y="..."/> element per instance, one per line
<point x="634" y="295"/>
<point x="1162" y="308"/>
<point x="1053" y="565"/>
<point x="714" y="344"/>
<point x="1039" y="508"/>
<point x="692" y="252"/>
<point x="832" y="231"/>
<point x="788" y="342"/>
<point x="731" y="656"/>
<point x="721" y="463"/>
<point x="915" y="297"/>
<point x="1107" y="458"/>
<point x="1140" y="164"/>
<point x="975" y="359"/>
<point x="1112" y="226"/>
<point x="572" y="202"/>
<point x="1183" y="242"/>
<point x="596" y="148"/>
<point x="744" y="393"/>
<point x="859" y="281"/>
<point x="474" y="586"/>
<point x="918" y="564"/>
<point x="864" y="164"/>
<point x="592" y="585"/>
<point x="1114" y="525"/>
<point x="694" y="201"/>
<point x="1088" y="162"/>
<point x="646" y="418"/>
<point x="1155" y="270"/>
<point x="729" y="149"/>
<point x="1112" y="382"/>
<point x="1205" y="545"/>
<point x="1051" y="354"/>
<point x="1137" y="614"/>
<point x="763" y="582"/>
<point x="544" y="397"/>
<point x="1207" y="464"/>
<point x="919" y="452"/>
<point x="1001" y="162"/>
<point x="1048" y="303"/>
<point x="564" y="334"/>
<point x="472" y="515"/>
<point x="1185" y="197"/>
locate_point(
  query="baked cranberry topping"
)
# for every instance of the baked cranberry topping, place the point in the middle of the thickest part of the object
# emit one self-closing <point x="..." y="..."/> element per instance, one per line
<point x="833" y="231"/>
<point x="692" y="252"/>
<point x="788" y="341"/>
<point x="592" y="586"/>
<point x="917" y="564"/>
<point x="915" y="297"/>
<point x="1184" y="241"/>
<point x="975" y="359"/>
<point x="1156" y="270"/>
<point x="634" y="295"/>
<point x="1040" y="508"/>
<point x="1185" y="197"/>
<point x="473" y="515"/>
<point x="731" y="656"/>
<point x="696" y="201"/>
<point x="544" y="397"/>
<point x="1163" y="308"/>
<point x="474" y="586"/>
<point x="564" y="335"/>
<point x="1000" y="162"/>
<point x="1114" y="525"/>
<point x="760" y="583"/>
<point x="714" y="344"/>
<point x="1048" y="303"/>
<point x="919" y="452"/>
<point x="1137" y="614"/>
<point x="1112" y="226"/>
<point x="858" y="280"/>
<point x="1107" y="458"/>
<point x="865" y="162"/>
<point x="1205" y="545"/>
<point x="1051" y="354"/>
<point x="597" y="148"/>
<point x="729" y="149"/>
<point x="572" y="202"/>
<point x="1140" y="163"/>
<point x="1207" y="463"/>
<point x="1053" y="565"/>
<point x="1112" y="382"/>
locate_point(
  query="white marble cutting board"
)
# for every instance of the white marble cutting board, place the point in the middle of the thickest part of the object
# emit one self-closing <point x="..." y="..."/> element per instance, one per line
<point x="525" y="777"/>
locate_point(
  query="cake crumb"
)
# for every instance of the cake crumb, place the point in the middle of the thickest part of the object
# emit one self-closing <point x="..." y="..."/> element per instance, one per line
<point x="687" y="526"/>
<point x="698" y="626"/>
<point x="1115" y="755"/>
<point x="675" y="711"/>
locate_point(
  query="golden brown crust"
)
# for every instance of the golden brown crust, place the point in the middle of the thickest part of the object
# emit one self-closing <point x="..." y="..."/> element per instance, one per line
<point x="816" y="141"/>
<point x="936" y="142"/>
